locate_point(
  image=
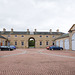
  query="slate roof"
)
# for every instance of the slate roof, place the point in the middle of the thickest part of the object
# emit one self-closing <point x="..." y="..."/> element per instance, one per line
<point x="71" y="28"/>
<point x="63" y="36"/>
<point x="48" y="33"/>
<point x="34" y="33"/>
<point x="13" y="33"/>
<point x="2" y="37"/>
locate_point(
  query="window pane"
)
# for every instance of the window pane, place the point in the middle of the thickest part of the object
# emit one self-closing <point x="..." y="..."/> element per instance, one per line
<point x="15" y="35"/>
<point x="40" y="43"/>
<point x="53" y="36"/>
<point x="40" y="35"/>
<point x="15" y="43"/>
<point x="22" y="43"/>
<point x="22" y="35"/>
<point x="46" y="36"/>
<point x="8" y="35"/>
<point x="46" y="42"/>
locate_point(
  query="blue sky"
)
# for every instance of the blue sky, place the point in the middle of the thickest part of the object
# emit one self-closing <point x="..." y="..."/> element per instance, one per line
<point x="42" y="15"/>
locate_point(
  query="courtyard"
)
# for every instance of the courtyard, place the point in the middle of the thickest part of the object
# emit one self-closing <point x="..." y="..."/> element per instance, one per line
<point x="37" y="62"/>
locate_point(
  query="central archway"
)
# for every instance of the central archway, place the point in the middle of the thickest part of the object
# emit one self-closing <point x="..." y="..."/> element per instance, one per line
<point x="31" y="42"/>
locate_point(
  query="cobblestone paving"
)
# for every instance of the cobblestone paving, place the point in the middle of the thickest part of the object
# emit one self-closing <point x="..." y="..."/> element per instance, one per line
<point x="37" y="62"/>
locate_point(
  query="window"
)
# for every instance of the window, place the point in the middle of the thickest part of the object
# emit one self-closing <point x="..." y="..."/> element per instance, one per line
<point x="8" y="43"/>
<point x="46" y="42"/>
<point x="22" y="36"/>
<point x="40" y="35"/>
<point x="22" y="43"/>
<point x="46" y="36"/>
<point x="3" y="42"/>
<point x="15" y="35"/>
<point x="53" y="43"/>
<point x="40" y="42"/>
<point x="15" y="42"/>
<point x="8" y="35"/>
<point x="53" y="36"/>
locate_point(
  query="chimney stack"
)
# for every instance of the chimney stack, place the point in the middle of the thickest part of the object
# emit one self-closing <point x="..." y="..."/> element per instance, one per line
<point x="4" y="29"/>
<point x="50" y="30"/>
<point x="34" y="30"/>
<point x="11" y="30"/>
<point x="57" y="30"/>
<point x="27" y="30"/>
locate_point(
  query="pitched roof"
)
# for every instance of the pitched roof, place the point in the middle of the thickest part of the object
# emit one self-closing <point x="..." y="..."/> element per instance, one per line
<point x="2" y="37"/>
<point x="34" y="33"/>
<point x="71" y="28"/>
<point x="48" y="33"/>
<point x="63" y="36"/>
<point x="13" y="33"/>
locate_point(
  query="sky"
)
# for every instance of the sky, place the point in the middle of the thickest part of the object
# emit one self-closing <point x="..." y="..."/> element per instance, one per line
<point x="42" y="15"/>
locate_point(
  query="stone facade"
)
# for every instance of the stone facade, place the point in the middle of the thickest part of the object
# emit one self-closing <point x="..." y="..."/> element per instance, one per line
<point x="62" y="38"/>
<point x="42" y="39"/>
<point x="3" y="40"/>
<point x="71" y="33"/>
<point x="20" y="39"/>
<point x="70" y="37"/>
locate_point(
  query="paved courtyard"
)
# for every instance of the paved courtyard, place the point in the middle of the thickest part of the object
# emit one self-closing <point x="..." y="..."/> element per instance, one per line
<point x="37" y="62"/>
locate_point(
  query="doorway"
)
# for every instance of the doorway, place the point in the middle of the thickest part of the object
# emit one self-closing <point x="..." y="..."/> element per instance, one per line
<point x="31" y="42"/>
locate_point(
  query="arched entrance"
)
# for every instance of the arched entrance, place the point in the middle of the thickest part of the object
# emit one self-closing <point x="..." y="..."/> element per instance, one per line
<point x="73" y="41"/>
<point x="31" y="42"/>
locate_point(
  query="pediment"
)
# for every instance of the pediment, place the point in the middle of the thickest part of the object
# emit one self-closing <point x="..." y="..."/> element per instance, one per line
<point x="72" y="28"/>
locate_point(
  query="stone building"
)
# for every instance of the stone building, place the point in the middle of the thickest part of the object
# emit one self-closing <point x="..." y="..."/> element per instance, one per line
<point x="21" y="38"/>
<point x="41" y="39"/>
<point x="3" y="40"/>
<point x="67" y="41"/>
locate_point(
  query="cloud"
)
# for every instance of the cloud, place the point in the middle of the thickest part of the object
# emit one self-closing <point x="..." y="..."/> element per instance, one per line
<point x="39" y="14"/>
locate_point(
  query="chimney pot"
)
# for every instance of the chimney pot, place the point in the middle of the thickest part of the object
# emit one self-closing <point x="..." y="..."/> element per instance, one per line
<point x="57" y="30"/>
<point x="4" y="29"/>
<point x="11" y="30"/>
<point x="27" y="30"/>
<point x="35" y="30"/>
<point x="50" y="30"/>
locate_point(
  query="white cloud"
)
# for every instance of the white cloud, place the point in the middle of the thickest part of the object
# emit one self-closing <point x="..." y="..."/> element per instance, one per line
<point x="39" y="14"/>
